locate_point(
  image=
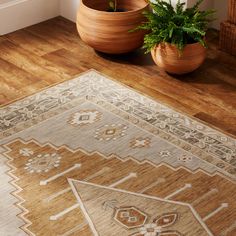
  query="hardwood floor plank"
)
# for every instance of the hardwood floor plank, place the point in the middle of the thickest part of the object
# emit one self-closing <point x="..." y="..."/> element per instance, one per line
<point x="64" y="23"/>
<point x="8" y="92"/>
<point x="22" y="82"/>
<point x="51" y="52"/>
<point x="168" y="87"/>
<point x="16" y="76"/>
<point x="31" y="43"/>
<point x="58" y="60"/>
<point x="2" y="38"/>
<point x="62" y="37"/>
<point x="119" y="72"/>
<point x="221" y="122"/>
<point x="32" y="63"/>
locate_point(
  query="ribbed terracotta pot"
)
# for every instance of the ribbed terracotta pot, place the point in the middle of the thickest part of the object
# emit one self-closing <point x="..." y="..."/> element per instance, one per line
<point x="168" y="57"/>
<point x="109" y="31"/>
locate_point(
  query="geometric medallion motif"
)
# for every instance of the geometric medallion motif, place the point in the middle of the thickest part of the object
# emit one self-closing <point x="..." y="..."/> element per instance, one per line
<point x="130" y="217"/>
<point x="143" y="218"/>
<point x="43" y="163"/>
<point x="110" y="132"/>
<point x="184" y="158"/>
<point x="140" y="142"/>
<point x="84" y="117"/>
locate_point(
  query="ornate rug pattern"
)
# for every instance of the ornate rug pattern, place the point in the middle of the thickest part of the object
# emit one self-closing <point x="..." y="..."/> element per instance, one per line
<point x="93" y="157"/>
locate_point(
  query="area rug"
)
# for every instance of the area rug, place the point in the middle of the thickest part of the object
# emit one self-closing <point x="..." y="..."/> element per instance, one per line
<point x="93" y="157"/>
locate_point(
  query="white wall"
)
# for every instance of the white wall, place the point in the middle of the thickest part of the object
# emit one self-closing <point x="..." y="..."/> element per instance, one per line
<point x="220" y="6"/>
<point x="68" y="8"/>
<point x="17" y="14"/>
<point x="222" y="9"/>
<point x="207" y="4"/>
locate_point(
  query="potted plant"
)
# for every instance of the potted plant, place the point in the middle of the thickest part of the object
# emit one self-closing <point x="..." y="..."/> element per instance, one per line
<point x="176" y="35"/>
<point x="105" y="24"/>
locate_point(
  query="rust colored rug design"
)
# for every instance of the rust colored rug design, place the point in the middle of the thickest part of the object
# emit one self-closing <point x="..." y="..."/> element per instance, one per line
<point x="93" y="157"/>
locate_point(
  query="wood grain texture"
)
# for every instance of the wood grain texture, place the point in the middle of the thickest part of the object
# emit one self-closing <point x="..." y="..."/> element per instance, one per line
<point x="227" y="37"/>
<point x="169" y="58"/>
<point x="109" y="31"/>
<point x="209" y="93"/>
<point x="199" y="195"/>
<point x="232" y="11"/>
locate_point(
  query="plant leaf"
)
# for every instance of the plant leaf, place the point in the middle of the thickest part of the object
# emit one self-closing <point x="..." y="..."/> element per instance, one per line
<point x="178" y="26"/>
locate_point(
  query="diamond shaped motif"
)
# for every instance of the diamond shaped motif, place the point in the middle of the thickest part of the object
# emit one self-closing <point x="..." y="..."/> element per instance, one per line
<point x="130" y="217"/>
<point x="43" y="163"/>
<point x="110" y="132"/>
<point x="85" y="117"/>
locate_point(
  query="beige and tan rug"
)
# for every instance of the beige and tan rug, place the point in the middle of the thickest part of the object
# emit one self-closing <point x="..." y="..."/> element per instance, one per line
<point x="92" y="157"/>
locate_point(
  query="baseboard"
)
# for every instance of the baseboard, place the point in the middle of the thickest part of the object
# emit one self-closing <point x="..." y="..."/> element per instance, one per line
<point x="17" y="14"/>
<point x="9" y="3"/>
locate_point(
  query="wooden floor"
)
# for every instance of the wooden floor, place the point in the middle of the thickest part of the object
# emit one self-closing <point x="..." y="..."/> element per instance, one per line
<point x="51" y="52"/>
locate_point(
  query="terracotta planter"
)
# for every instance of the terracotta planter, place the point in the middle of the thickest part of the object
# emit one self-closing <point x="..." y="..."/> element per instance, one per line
<point x="168" y="58"/>
<point x="109" y="31"/>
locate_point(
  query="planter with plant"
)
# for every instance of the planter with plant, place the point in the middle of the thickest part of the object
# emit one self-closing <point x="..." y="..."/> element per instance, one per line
<point x="105" y="24"/>
<point x="176" y="35"/>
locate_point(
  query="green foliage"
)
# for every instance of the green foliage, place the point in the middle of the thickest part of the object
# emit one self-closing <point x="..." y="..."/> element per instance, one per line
<point x="112" y="5"/>
<point x="176" y="25"/>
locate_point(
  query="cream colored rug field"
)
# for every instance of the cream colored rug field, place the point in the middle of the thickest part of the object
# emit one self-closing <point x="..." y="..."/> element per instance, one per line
<point x="92" y="157"/>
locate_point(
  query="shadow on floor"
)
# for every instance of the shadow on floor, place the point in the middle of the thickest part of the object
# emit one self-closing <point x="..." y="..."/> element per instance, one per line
<point x="137" y="57"/>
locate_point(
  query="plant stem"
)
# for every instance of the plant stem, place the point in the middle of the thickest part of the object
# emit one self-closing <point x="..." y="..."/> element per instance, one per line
<point x="113" y="5"/>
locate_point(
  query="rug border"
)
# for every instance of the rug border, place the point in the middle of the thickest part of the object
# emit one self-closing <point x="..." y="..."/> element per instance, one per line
<point x="130" y="88"/>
